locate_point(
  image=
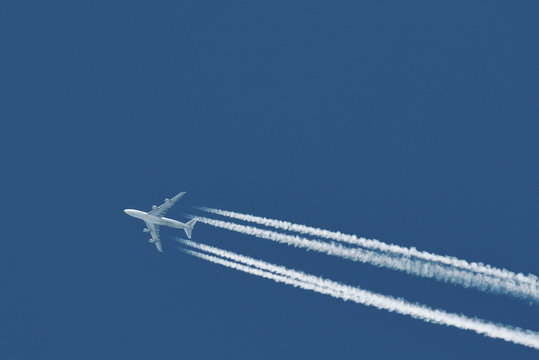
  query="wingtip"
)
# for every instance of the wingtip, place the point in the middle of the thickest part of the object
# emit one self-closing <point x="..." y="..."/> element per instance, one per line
<point x="180" y="195"/>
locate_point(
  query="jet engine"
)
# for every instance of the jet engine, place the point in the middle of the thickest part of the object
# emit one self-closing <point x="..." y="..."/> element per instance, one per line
<point x="167" y="200"/>
<point x="151" y="241"/>
<point x="154" y="207"/>
<point x="146" y="230"/>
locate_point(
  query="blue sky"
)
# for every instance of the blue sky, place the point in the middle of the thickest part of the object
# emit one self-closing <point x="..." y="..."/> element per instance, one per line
<point x="411" y="122"/>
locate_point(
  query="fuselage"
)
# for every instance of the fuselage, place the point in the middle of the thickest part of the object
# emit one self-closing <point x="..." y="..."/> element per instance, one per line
<point x="155" y="219"/>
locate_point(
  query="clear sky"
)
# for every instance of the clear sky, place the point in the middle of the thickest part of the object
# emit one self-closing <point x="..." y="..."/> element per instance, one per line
<point x="415" y="123"/>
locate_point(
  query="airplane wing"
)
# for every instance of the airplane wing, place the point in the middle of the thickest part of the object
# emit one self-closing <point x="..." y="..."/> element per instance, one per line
<point x="154" y="232"/>
<point x="162" y="209"/>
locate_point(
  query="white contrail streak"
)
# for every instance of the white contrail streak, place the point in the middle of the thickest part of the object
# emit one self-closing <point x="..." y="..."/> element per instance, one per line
<point x="345" y="292"/>
<point x="411" y="266"/>
<point x="379" y="245"/>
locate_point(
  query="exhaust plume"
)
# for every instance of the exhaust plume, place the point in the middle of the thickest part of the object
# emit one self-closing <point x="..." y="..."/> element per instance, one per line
<point x="364" y="297"/>
<point x="409" y="265"/>
<point x="379" y="246"/>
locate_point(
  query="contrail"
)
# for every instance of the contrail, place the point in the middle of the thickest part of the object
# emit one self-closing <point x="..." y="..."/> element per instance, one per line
<point x="378" y="245"/>
<point x="416" y="267"/>
<point x="345" y="292"/>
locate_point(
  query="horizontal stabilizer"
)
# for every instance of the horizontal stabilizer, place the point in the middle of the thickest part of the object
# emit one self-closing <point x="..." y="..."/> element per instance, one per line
<point x="189" y="227"/>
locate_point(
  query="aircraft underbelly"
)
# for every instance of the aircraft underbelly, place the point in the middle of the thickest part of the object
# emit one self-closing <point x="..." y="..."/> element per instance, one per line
<point x="172" y="223"/>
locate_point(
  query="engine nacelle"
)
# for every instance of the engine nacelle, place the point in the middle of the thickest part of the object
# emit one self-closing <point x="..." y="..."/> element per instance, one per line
<point x="154" y="207"/>
<point x="151" y="241"/>
<point x="146" y="230"/>
<point x="167" y="200"/>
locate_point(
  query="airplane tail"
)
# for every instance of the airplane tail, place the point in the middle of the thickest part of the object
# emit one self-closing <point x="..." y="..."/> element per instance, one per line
<point x="189" y="229"/>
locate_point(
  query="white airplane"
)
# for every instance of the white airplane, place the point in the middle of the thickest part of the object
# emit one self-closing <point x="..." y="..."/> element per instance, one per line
<point x="154" y="218"/>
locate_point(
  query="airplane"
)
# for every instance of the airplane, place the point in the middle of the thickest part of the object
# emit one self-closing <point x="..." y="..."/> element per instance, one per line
<point x="155" y="217"/>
